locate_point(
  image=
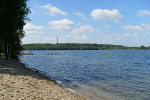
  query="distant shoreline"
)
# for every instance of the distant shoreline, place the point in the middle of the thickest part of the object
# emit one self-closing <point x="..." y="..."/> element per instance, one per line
<point x="79" y="46"/>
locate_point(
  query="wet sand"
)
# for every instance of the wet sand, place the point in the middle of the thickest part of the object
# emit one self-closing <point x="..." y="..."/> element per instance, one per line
<point x="20" y="83"/>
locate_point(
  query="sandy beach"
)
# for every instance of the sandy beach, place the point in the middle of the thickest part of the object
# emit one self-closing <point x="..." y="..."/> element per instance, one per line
<point x="20" y="83"/>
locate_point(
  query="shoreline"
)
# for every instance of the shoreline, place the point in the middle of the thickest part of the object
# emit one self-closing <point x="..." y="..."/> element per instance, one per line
<point x="20" y="82"/>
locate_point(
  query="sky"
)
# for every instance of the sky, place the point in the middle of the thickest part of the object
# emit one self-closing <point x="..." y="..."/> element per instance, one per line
<point x="117" y="22"/>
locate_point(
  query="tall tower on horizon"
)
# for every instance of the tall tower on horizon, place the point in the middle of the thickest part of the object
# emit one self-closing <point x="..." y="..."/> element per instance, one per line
<point x="57" y="40"/>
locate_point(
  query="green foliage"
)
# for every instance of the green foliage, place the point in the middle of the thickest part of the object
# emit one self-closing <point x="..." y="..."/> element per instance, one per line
<point x="77" y="46"/>
<point x="142" y="47"/>
<point x="2" y="54"/>
<point x="13" y="14"/>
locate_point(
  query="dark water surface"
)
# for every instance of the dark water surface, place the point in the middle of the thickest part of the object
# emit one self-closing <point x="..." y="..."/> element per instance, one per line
<point x="124" y="74"/>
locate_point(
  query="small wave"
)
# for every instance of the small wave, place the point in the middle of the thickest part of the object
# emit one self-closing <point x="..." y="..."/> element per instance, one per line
<point x="71" y="90"/>
<point x="60" y="83"/>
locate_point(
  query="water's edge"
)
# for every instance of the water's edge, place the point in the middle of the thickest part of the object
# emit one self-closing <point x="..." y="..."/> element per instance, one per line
<point x="72" y="87"/>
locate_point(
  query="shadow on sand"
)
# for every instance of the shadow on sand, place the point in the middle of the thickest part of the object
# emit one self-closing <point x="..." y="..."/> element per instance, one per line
<point x="13" y="67"/>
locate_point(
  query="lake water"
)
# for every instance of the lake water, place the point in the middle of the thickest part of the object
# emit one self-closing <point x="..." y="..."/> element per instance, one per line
<point x="123" y="75"/>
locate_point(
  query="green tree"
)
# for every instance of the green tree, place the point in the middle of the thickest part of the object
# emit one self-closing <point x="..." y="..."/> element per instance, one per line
<point x="142" y="47"/>
<point x="13" y="16"/>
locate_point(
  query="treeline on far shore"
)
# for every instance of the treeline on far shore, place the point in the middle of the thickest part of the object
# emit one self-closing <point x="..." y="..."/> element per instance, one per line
<point x="79" y="46"/>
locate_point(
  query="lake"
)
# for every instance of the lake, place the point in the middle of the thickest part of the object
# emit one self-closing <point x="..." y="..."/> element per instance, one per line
<point x="114" y="74"/>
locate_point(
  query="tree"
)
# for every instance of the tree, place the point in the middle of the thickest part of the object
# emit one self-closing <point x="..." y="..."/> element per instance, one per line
<point x="13" y="16"/>
<point x="142" y="47"/>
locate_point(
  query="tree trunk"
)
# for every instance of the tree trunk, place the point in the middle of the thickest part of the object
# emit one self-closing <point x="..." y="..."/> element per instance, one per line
<point x="6" y="56"/>
<point x="9" y="50"/>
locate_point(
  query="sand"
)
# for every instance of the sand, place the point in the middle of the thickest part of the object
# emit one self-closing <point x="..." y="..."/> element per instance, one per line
<point x="20" y="83"/>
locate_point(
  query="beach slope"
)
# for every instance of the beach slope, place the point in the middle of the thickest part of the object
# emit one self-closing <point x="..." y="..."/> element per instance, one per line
<point x="20" y="83"/>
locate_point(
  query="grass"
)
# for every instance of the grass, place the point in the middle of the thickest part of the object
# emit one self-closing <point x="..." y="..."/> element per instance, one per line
<point x="3" y="54"/>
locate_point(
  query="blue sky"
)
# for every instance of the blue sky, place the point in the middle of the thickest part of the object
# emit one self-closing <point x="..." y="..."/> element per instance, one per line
<point x="118" y="22"/>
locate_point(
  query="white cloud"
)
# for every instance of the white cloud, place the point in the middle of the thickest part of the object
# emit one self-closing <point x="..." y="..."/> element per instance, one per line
<point x="106" y="14"/>
<point x="32" y="32"/>
<point x="107" y="42"/>
<point x="117" y="21"/>
<point x="84" y="28"/>
<point x="53" y="10"/>
<point x="146" y="12"/>
<point x="42" y="32"/>
<point x="109" y="36"/>
<point x="81" y="15"/>
<point x="79" y="37"/>
<point x="125" y="34"/>
<point x="29" y="28"/>
<point x="46" y="6"/>
<point x="62" y="22"/>
<point x="62" y="28"/>
<point x="82" y="38"/>
<point x="107" y="26"/>
<point x="62" y="25"/>
<point x="146" y="33"/>
<point x="116" y="36"/>
<point x="140" y="15"/>
<point x="39" y="39"/>
<point x="68" y="36"/>
<point x="143" y="27"/>
<point x="129" y="27"/>
<point x="135" y="35"/>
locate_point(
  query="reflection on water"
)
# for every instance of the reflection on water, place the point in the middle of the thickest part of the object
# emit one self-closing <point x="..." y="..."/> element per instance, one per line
<point x="121" y="75"/>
